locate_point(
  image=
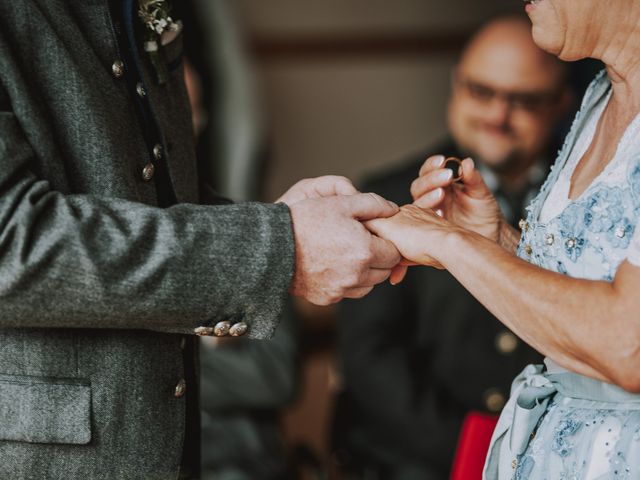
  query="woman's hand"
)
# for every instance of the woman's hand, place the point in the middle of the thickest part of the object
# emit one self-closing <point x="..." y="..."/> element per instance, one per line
<point x="419" y="235"/>
<point x="468" y="203"/>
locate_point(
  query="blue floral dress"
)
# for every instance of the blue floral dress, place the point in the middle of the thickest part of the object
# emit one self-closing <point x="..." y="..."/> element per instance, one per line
<point x="558" y="424"/>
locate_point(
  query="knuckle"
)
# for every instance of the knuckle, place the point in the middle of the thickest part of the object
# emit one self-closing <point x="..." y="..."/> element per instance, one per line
<point x="353" y="279"/>
<point x="341" y="179"/>
<point x="322" y="301"/>
<point x="363" y="256"/>
<point x="376" y="198"/>
<point x="369" y="256"/>
<point x="332" y="296"/>
<point x="362" y="292"/>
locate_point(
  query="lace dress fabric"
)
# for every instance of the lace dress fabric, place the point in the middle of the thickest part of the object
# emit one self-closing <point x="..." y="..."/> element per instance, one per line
<point x="614" y="177"/>
<point x="586" y="430"/>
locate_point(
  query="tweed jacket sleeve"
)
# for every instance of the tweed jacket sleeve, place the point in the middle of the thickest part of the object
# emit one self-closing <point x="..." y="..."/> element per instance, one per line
<point x="82" y="244"/>
<point x="91" y="261"/>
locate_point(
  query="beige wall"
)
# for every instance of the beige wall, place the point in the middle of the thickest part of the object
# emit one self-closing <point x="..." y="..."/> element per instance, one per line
<point x="351" y="114"/>
<point x="333" y="16"/>
<point x="328" y="119"/>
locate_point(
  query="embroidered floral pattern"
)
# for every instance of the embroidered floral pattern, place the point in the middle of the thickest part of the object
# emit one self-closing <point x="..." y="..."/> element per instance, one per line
<point x="562" y="444"/>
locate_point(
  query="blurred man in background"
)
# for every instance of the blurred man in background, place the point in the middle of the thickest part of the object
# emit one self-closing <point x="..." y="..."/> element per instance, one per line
<point x="418" y="356"/>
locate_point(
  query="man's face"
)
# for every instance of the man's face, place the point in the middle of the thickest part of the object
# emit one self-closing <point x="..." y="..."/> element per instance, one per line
<point x="505" y="104"/>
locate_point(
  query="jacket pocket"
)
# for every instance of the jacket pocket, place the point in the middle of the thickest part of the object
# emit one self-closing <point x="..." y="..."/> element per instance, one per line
<point x="45" y="410"/>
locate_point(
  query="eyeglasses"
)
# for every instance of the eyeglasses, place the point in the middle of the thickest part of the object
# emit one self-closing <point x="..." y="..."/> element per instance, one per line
<point x="531" y="102"/>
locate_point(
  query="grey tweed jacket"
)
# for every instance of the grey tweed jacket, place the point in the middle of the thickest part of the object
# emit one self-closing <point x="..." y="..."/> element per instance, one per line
<point x="98" y="286"/>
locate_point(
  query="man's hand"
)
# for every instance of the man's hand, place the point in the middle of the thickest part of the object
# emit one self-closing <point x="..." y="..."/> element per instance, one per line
<point x="327" y="186"/>
<point x="336" y="256"/>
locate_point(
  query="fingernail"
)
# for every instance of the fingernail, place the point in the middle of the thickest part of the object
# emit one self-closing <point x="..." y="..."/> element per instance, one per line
<point x="438" y="161"/>
<point x="445" y="175"/>
<point x="435" y="195"/>
<point x="429" y="198"/>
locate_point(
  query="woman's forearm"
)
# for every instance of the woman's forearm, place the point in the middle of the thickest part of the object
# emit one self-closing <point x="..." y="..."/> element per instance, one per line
<point x="586" y="326"/>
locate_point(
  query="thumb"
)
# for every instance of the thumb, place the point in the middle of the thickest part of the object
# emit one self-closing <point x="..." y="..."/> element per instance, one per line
<point x="473" y="182"/>
<point x="367" y="206"/>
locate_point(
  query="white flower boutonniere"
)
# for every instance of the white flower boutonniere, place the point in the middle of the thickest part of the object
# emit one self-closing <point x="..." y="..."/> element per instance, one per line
<point x="155" y="14"/>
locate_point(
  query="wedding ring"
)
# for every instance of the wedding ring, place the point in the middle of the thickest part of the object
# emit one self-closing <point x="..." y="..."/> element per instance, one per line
<point x="455" y="165"/>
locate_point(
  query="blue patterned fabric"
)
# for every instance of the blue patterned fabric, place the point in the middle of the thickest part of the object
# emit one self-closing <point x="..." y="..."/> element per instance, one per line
<point x="590" y="237"/>
<point x="558" y="424"/>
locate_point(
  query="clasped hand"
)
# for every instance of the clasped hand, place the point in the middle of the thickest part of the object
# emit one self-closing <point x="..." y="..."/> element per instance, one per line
<point x="336" y="257"/>
<point x="423" y="235"/>
<point x="347" y="242"/>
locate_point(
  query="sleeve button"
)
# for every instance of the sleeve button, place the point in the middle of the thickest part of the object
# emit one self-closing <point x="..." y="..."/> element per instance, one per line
<point x="238" y="329"/>
<point x="222" y="329"/>
<point x="203" y="331"/>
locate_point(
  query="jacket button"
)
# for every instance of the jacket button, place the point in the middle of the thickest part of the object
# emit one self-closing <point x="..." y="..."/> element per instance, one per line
<point x="221" y="329"/>
<point x="157" y="151"/>
<point x="506" y="342"/>
<point x="203" y="331"/>
<point x="238" y="329"/>
<point x="494" y="400"/>
<point x="140" y="90"/>
<point x="181" y="389"/>
<point x="148" y="171"/>
<point x="117" y="68"/>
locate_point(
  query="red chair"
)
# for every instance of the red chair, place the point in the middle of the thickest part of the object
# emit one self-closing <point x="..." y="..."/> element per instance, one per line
<point x="473" y="445"/>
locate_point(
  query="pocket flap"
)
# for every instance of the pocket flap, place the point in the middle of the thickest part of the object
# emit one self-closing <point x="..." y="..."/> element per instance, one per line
<point x="45" y="410"/>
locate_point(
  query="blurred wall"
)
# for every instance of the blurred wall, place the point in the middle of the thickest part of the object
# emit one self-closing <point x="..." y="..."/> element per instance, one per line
<point x="351" y="85"/>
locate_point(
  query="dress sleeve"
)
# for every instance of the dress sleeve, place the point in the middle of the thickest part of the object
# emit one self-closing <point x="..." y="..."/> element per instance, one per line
<point x="633" y="252"/>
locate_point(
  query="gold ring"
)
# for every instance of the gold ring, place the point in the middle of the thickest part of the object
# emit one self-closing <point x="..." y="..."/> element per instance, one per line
<point x="455" y="165"/>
